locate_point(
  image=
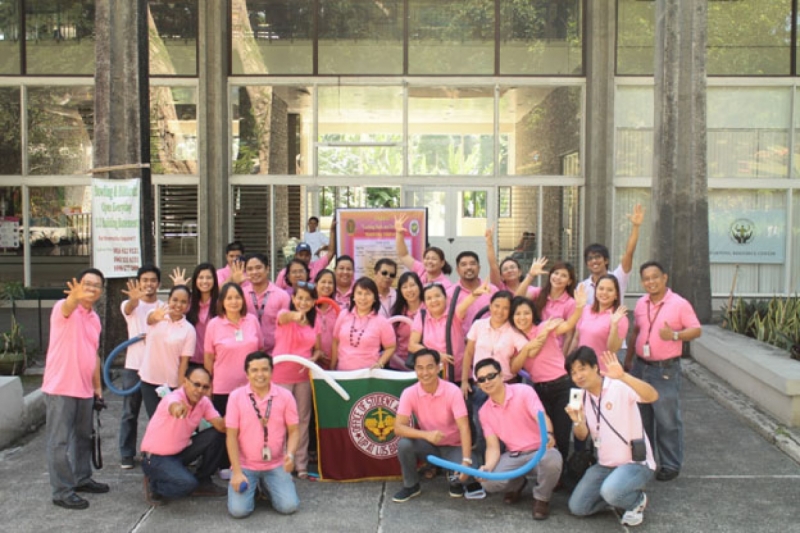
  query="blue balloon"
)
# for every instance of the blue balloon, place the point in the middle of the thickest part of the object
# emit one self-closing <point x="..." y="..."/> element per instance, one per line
<point x="107" y="367"/>
<point x="499" y="476"/>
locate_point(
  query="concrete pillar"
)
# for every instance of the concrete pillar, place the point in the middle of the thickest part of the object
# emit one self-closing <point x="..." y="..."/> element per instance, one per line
<point x="680" y="185"/>
<point x="213" y="156"/>
<point x="598" y="157"/>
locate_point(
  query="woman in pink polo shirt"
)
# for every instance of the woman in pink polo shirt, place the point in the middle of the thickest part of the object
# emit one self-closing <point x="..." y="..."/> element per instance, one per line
<point x="170" y="345"/>
<point x="295" y="271"/>
<point x="432" y="269"/>
<point x="326" y="313"/>
<point x="408" y="304"/>
<point x="297" y="333"/>
<point x="203" y="306"/>
<point x="344" y="280"/>
<point x="605" y="326"/>
<point x="360" y="333"/>
<point x="431" y="333"/>
<point x="543" y="359"/>
<point x="556" y="298"/>
<point x="230" y="336"/>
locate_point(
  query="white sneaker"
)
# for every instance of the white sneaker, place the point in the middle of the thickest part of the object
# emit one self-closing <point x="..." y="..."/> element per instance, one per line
<point x="635" y="516"/>
<point x="225" y="473"/>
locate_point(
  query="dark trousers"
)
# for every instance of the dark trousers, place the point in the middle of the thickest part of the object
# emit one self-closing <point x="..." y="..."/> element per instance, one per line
<point x="220" y="402"/>
<point x="554" y="396"/>
<point x="69" y="442"/>
<point x="150" y="398"/>
<point x="131" y="405"/>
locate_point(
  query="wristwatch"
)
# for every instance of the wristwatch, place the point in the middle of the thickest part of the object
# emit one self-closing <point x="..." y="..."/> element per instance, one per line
<point x="675" y="335"/>
<point x="466" y="460"/>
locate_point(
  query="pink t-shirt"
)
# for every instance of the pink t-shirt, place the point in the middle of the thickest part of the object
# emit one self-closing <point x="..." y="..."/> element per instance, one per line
<point x="482" y="301"/>
<point x="548" y="365"/>
<point x="327" y="320"/>
<point x="200" y="331"/>
<point x="516" y="421"/>
<point x="500" y="344"/>
<point x="439" y="410"/>
<point x="387" y="302"/>
<point x="342" y="298"/>
<point x="314" y="268"/>
<point x="167" y="435"/>
<point x="361" y="339"/>
<point x="442" y="279"/>
<point x="137" y="324"/>
<point x="168" y="342"/>
<point x="594" y="330"/>
<point x="433" y="337"/>
<point x="72" y="352"/>
<point x="650" y="318"/>
<point x="230" y="345"/>
<point x="619" y="408"/>
<point x="294" y="339"/>
<point x="402" y="332"/>
<point x="242" y="416"/>
<point x="266" y="305"/>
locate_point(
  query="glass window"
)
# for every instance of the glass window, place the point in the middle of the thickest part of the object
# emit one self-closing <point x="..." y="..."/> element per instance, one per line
<point x="625" y="200"/>
<point x="636" y="37"/>
<point x="173" y="130"/>
<point x="271" y="129"/>
<point x="361" y="37"/>
<point x="634" y="110"/>
<point x="748" y="132"/>
<point x="451" y="37"/>
<point x="177" y="209"/>
<point x="794" y="284"/>
<point x="541" y="37"/>
<point x="540" y="130"/>
<point x="272" y="37"/>
<point x="9" y="37"/>
<point x="451" y="130"/>
<point x="360" y="131"/>
<point x="59" y="36"/>
<point x="10" y="131"/>
<point x="61" y="129"/>
<point x="10" y="235"/>
<point x="173" y="37"/>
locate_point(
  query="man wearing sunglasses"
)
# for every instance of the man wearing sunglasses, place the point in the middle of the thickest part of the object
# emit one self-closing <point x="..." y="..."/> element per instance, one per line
<point x="168" y="446"/>
<point x="385" y="274"/>
<point x="511" y="416"/>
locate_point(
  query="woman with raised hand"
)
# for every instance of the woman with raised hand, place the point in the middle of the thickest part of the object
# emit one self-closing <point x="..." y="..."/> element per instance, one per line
<point x="430" y="330"/>
<point x="203" y="303"/>
<point x="343" y="272"/>
<point x="361" y="332"/>
<point x="508" y="274"/>
<point x="605" y="325"/>
<point x="408" y="304"/>
<point x="432" y="269"/>
<point x="298" y="333"/>
<point x="170" y="344"/>
<point x="556" y="299"/>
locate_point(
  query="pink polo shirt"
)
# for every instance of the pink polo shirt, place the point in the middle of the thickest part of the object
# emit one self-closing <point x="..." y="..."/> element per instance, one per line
<point x="326" y="319"/>
<point x="516" y="421"/>
<point x="137" y="324"/>
<point x="500" y="344"/>
<point x="361" y="339"/>
<point x="483" y="301"/>
<point x="442" y="279"/>
<point x="402" y="332"/>
<point x="618" y="404"/>
<point x="223" y="274"/>
<point x="650" y="318"/>
<point x="200" y="331"/>
<point x="314" y="268"/>
<point x="266" y="305"/>
<point x="594" y="330"/>
<point x="561" y="307"/>
<point x="549" y="364"/>
<point x="242" y="416"/>
<point x="167" y="435"/>
<point x="342" y="298"/>
<point x="168" y="342"/>
<point x="433" y="337"/>
<point x="387" y="302"/>
<point x="230" y="350"/>
<point x="72" y="352"/>
<point x="439" y="410"/>
<point x="294" y="339"/>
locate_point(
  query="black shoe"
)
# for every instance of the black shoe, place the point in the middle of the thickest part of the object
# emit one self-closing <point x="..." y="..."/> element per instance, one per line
<point x="127" y="463"/>
<point x="73" y="501"/>
<point x="456" y="490"/>
<point x="406" y="493"/>
<point x="666" y="474"/>
<point x="93" y="487"/>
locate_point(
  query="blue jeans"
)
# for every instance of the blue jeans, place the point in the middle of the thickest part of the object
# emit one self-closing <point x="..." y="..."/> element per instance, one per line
<point x="662" y="419"/>
<point x="131" y="405"/>
<point x="277" y="482"/>
<point x="69" y="442"/>
<point x="602" y="486"/>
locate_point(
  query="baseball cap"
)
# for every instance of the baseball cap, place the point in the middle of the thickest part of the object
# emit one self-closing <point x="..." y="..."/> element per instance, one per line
<point x="302" y="247"/>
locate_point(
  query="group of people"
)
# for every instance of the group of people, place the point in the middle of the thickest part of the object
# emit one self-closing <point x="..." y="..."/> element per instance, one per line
<point x="488" y="354"/>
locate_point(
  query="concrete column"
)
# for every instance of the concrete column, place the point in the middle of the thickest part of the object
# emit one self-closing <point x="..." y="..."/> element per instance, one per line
<point x="680" y="185"/>
<point x="598" y="157"/>
<point x="213" y="193"/>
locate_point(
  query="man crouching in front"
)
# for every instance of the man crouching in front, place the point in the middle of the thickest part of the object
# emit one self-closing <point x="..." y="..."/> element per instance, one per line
<point x="258" y="420"/>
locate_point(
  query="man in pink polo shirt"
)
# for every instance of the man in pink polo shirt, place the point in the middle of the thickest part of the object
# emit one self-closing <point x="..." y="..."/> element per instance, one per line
<point x="233" y="270"/>
<point x="442" y="428"/>
<point x="663" y="322"/>
<point x="169" y="444"/>
<point x="71" y="383"/>
<point x="468" y="267"/>
<point x="511" y="416"/>
<point x="264" y="299"/>
<point x="263" y="435"/>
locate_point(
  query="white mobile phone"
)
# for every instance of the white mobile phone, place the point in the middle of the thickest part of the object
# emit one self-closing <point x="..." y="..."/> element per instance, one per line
<point x="575" y="398"/>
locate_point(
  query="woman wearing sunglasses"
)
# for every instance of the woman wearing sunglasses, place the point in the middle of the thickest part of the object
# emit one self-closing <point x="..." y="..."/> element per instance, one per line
<point x="385" y="274"/>
<point x="298" y="333"/>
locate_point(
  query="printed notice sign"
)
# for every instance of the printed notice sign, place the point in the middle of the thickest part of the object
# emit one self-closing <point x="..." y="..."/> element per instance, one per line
<point x="116" y="246"/>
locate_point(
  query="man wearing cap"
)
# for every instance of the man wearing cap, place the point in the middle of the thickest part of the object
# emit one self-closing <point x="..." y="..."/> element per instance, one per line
<point x="168" y="445"/>
<point x="315" y="238"/>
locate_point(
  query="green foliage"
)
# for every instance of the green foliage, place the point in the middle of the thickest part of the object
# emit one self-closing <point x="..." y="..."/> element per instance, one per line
<point x="776" y="322"/>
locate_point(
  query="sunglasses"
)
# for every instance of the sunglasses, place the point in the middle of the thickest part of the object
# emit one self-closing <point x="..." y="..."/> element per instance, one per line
<point x="307" y="285"/>
<point x="202" y="386"/>
<point x="386" y="273"/>
<point x="487" y="377"/>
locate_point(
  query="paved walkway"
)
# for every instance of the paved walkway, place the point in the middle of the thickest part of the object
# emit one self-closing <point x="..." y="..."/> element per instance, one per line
<point x="733" y="480"/>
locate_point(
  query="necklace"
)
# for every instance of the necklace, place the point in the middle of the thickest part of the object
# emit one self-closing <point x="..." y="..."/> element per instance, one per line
<point x="360" y="333"/>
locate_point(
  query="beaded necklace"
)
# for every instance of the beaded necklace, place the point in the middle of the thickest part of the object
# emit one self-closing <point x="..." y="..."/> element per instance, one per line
<point x="360" y="333"/>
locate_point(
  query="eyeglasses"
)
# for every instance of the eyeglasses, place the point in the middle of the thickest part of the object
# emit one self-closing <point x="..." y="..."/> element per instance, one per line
<point x="202" y="386"/>
<point x="386" y="273"/>
<point x="487" y="377"/>
<point x="307" y="285"/>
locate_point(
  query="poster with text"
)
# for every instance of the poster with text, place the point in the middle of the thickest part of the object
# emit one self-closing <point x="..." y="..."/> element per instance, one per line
<point x="747" y="236"/>
<point x="116" y="246"/>
<point x="367" y="235"/>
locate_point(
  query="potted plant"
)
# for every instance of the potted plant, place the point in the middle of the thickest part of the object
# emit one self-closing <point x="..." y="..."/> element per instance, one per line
<point x="13" y="354"/>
